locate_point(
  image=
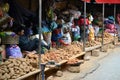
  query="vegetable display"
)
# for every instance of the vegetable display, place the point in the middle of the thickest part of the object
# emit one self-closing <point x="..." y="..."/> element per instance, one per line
<point x="15" y="68"/>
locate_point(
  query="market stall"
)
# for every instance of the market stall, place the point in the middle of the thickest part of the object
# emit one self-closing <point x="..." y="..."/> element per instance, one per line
<point x="13" y="63"/>
<point x="37" y="64"/>
<point x="105" y="35"/>
<point x="110" y="2"/>
<point x="110" y="32"/>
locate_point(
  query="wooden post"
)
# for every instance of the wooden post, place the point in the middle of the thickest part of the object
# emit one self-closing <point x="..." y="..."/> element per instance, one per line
<point x="114" y="22"/>
<point x="103" y="26"/>
<point x="39" y="51"/>
<point x="84" y="38"/>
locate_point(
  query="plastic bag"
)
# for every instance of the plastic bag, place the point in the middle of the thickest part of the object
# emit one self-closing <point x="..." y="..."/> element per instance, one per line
<point x="91" y="34"/>
<point x="13" y="51"/>
<point x="110" y="26"/>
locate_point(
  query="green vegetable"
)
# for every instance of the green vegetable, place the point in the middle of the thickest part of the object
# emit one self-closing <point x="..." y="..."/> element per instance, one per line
<point x="2" y="34"/>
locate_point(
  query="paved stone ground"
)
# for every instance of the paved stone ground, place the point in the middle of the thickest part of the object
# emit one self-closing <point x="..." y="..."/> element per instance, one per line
<point x="109" y="68"/>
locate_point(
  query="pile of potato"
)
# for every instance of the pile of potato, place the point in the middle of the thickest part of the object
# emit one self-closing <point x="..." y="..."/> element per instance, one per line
<point x="15" y="68"/>
<point x="92" y="43"/>
<point x="108" y="37"/>
<point x="58" y="54"/>
<point x="73" y="61"/>
<point x="63" y="53"/>
<point x="33" y="59"/>
<point x="52" y="55"/>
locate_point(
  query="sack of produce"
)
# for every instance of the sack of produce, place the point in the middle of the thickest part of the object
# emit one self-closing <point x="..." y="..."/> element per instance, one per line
<point x="9" y="38"/>
<point x="13" y="51"/>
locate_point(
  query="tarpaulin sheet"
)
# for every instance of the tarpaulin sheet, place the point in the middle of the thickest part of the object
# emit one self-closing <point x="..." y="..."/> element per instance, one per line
<point x="86" y="0"/>
<point x="108" y="1"/>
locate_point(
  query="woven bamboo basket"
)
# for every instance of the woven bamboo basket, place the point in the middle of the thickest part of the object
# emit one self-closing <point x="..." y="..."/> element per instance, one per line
<point x="10" y="40"/>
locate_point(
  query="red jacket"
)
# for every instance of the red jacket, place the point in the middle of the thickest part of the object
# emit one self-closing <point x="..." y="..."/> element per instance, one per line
<point x="81" y="22"/>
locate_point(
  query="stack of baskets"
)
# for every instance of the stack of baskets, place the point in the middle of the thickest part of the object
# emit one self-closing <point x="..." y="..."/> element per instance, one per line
<point x="8" y="39"/>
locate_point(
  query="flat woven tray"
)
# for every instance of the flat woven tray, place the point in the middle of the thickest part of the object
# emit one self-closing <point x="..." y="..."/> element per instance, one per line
<point x="10" y="40"/>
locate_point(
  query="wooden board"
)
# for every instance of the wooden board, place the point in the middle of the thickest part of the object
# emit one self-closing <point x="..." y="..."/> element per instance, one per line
<point x="29" y="74"/>
<point x="46" y="69"/>
<point x="64" y="61"/>
<point x="92" y="48"/>
<point x="78" y="55"/>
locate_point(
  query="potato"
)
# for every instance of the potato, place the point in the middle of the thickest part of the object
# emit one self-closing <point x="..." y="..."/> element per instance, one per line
<point x="22" y="67"/>
<point x="21" y="70"/>
<point x="3" y="71"/>
<point x="11" y="71"/>
<point x="17" y="72"/>
<point x="33" y="69"/>
<point x="3" y="67"/>
<point x="27" y="57"/>
<point x="10" y="60"/>
<point x="7" y="62"/>
<point x="11" y="65"/>
<point x="16" y="64"/>
<point x="17" y="76"/>
<point x="27" y="69"/>
<point x="0" y="74"/>
<point x="30" y="67"/>
<point x="6" y="70"/>
<point x="7" y="76"/>
<point x="0" y="70"/>
<point x="27" y="61"/>
<point x="2" y="77"/>
<point x="22" y="73"/>
<point x="24" y="64"/>
<point x="24" y="70"/>
<point x="23" y="60"/>
<point x="11" y="74"/>
<point x="13" y="77"/>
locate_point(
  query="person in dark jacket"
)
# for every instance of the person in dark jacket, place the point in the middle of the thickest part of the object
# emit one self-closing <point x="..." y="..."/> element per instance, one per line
<point x="27" y="44"/>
